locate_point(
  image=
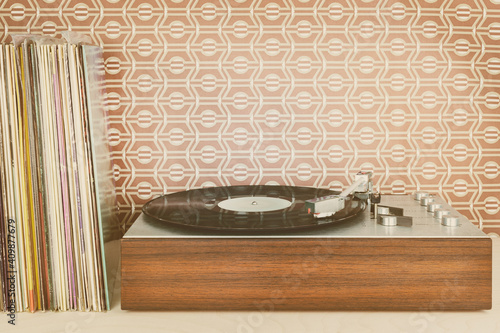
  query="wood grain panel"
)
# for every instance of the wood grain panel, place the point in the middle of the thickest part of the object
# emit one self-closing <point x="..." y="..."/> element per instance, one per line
<point x="306" y="274"/>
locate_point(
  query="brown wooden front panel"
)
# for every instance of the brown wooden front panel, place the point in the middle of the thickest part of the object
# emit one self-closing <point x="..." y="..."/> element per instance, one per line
<point x="306" y="274"/>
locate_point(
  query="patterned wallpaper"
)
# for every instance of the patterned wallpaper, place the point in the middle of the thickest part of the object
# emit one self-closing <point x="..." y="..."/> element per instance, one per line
<point x="298" y="92"/>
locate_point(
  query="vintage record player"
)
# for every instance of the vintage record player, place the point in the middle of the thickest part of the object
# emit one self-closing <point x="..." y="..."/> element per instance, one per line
<point x="267" y="248"/>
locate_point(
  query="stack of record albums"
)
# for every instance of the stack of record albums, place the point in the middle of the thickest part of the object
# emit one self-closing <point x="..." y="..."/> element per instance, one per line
<point x="57" y="202"/>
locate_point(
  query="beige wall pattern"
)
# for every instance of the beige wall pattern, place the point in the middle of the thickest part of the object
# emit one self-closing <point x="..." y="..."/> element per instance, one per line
<point x="297" y="92"/>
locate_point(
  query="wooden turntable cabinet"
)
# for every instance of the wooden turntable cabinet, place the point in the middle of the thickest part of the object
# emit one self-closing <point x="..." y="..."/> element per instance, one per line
<point x="438" y="261"/>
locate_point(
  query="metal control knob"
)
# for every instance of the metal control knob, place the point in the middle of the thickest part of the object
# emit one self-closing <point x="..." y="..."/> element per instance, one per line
<point x="450" y="221"/>
<point x="419" y="195"/>
<point x="440" y="213"/>
<point x="425" y="201"/>
<point x="381" y="210"/>
<point x="433" y="206"/>
<point x="389" y="220"/>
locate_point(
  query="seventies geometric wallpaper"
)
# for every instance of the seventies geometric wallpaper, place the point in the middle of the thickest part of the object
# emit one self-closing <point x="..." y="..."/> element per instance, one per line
<point x="297" y="92"/>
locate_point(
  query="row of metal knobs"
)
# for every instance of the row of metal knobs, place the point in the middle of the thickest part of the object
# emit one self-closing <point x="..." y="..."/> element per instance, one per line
<point x="440" y="213"/>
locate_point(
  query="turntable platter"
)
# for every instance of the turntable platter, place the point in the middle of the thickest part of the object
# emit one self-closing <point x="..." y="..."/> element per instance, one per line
<point x="244" y="208"/>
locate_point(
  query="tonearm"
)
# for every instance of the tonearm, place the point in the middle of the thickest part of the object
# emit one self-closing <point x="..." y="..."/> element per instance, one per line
<point x="326" y="206"/>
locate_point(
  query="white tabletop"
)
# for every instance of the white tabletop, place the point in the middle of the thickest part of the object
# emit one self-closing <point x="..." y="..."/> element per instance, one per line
<point x="117" y="320"/>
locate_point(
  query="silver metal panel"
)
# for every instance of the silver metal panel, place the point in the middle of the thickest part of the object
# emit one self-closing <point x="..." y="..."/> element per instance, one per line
<point x="361" y="226"/>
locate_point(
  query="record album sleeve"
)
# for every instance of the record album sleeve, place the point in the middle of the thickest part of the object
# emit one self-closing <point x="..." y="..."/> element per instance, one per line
<point x="108" y="226"/>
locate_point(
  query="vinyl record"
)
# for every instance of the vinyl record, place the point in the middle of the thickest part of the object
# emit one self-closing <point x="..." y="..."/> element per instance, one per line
<point x="246" y="208"/>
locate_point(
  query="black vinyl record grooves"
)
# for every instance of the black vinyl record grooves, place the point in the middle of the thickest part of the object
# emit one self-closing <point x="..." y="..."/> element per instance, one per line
<point x="199" y="208"/>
